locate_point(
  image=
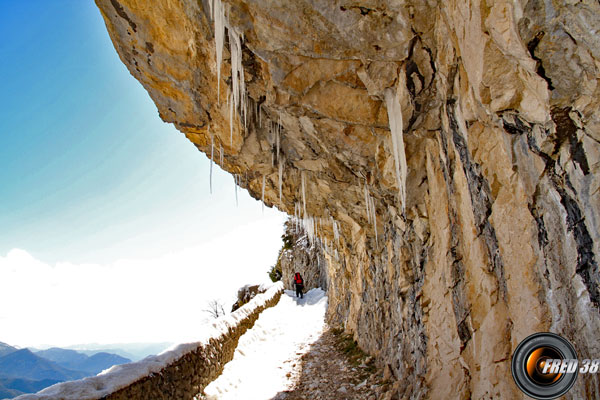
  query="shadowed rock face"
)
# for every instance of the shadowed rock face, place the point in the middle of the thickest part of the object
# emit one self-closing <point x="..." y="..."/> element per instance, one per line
<point x="500" y="234"/>
<point x="305" y="257"/>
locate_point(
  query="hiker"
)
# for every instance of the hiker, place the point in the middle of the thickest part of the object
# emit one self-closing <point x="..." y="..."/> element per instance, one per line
<point x="299" y="283"/>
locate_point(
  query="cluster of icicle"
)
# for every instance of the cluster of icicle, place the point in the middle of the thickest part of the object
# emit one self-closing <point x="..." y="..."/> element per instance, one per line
<point x="313" y="227"/>
<point x="395" y="118"/>
<point x="309" y="231"/>
<point x="280" y="160"/>
<point x="237" y="101"/>
<point x="304" y="242"/>
<point x="237" y="96"/>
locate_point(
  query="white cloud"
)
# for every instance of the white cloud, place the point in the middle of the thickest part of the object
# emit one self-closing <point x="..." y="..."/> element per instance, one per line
<point x="130" y="300"/>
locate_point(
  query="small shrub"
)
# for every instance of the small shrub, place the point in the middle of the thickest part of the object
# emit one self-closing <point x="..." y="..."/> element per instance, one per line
<point x="275" y="272"/>
<point x="288" y="241"/>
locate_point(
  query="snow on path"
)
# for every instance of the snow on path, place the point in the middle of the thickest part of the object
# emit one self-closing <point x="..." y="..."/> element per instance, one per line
<point x="268" y="355"/>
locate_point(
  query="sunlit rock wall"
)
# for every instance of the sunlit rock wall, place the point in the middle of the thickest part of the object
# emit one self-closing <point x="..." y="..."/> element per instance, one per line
<point x="498" y="236"/>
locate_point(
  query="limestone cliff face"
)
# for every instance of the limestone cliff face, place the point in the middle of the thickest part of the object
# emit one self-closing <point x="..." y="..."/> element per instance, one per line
<point x="493" y="104"/>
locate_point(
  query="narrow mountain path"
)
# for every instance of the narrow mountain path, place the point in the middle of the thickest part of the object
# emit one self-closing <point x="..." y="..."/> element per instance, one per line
<point x="335" y="368"/>
<point x="291" y="354"/>
<point x="267" y="358"/>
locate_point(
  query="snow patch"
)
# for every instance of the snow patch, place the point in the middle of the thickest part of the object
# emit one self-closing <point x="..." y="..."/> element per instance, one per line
<point x="267" y="358"/>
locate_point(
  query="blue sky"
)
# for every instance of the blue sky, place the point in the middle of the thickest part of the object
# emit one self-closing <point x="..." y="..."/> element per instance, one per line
<point x="88" y="171"/>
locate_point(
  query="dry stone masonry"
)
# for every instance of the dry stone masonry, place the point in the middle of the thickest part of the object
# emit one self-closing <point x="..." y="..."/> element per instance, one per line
<point x="190" y="374"/>
<point x="181" y="373"/>
<point x="444" y="153"/>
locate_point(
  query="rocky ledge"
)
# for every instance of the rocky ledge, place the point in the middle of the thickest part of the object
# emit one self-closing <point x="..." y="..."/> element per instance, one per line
<point x="444" y="155"/>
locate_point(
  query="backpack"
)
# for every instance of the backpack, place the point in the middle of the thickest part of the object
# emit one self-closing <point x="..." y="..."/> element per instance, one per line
<point x="298" y="279"/>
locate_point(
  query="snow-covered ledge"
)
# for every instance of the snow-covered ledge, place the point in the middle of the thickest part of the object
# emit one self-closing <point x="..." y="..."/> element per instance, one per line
<point x="180" y="372"/>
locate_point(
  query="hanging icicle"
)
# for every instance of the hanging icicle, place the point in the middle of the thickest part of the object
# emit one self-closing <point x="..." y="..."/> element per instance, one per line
<point x="308" y="224"/>
<point x="277" y="145"/>
<point x="263" y="194"/>
<point x="231" y="114"/>
<point x="303" y="192"/>
<point x="280" y="175"/>
<point x="298" y="218"/>
<point x="212" y="155"/>
<point x="336" y="232"/>
<point x="218" y="15"/>
<point x="235" y="184"/>
<point x="237" y="96"/>
<point x="396" y="126"/>
<point x="220" y="154"/>
<point x="237" y="73"/>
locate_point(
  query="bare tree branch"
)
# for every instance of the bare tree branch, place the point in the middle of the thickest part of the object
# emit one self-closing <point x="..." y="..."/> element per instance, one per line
<point x="215" y="308"/>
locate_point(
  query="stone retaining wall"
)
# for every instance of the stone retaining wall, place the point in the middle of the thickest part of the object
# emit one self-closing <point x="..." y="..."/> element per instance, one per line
<point x="189" y="375"/>
<point x="183" y="372"/>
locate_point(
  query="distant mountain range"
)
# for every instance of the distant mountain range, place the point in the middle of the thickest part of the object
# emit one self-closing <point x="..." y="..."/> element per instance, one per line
<point x="133" y="351"/>
<point x="74" y="360"/>
<point x="5" y="349"/>
<point x="23" y="371"/>
<point x="25" y="364"/>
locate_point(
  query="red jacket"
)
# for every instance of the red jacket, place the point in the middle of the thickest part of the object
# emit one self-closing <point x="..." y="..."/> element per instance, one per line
<point x="298" y="279"/>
